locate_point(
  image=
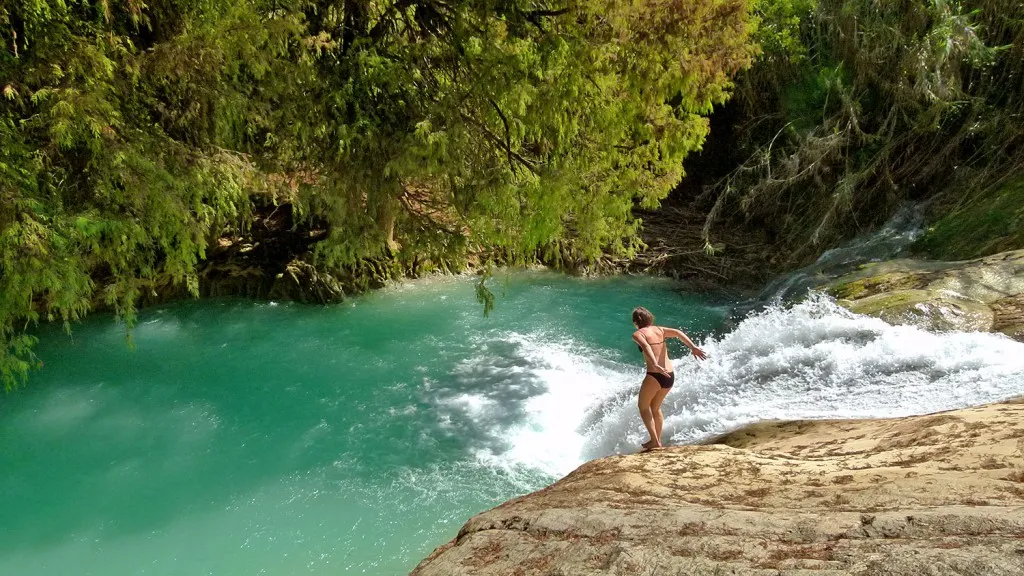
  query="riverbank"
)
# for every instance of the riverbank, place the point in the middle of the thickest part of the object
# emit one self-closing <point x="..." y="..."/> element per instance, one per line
<point x="939" y="492"/>
<point x="275" y="259"/>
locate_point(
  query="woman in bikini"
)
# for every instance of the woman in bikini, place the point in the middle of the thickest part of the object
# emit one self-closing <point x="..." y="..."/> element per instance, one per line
<point x="660" y="377"/>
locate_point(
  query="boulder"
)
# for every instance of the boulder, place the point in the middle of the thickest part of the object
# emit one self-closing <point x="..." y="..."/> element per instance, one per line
<point x="976" y="295"/>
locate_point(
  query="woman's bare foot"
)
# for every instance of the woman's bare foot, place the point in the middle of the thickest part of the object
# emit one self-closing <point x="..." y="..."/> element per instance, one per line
<point x="651" y="445"/>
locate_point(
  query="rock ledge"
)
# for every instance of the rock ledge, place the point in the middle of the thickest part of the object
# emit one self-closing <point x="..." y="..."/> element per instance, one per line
<point x="937" y="494"/>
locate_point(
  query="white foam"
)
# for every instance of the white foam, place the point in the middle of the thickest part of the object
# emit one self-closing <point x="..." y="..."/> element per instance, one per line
<point x="527" y="397"/>
<point x="552" y="439"/>
<point x="475" y="405"/>
<point x="814" y="360"/>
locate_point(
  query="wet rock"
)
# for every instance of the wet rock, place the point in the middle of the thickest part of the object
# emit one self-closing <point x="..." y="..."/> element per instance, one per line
<point x="926" y="308"/>
<point x="1009" y="316"/>
<point x="986" y="294"/>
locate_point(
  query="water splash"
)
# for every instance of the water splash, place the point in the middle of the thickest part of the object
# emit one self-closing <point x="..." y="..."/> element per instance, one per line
<point x="890" y="241"/>
<point x="812" y="360"/>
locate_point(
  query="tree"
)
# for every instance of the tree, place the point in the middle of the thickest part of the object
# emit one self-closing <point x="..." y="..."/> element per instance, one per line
<point x="134" y="135"/>
<point x="856" y="107"/>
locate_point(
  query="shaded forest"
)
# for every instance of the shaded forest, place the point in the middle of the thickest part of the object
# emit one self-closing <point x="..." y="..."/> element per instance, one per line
<point x="850" y="110"/>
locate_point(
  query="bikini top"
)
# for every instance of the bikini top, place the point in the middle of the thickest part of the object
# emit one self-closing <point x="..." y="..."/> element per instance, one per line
<point x="641" y="348"/>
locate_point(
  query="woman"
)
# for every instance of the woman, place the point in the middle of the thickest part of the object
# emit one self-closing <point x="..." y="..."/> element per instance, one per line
<point x="651" y="341"/>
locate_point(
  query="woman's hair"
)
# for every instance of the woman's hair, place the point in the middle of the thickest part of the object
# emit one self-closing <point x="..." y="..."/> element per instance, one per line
<point x="642" y="317"/>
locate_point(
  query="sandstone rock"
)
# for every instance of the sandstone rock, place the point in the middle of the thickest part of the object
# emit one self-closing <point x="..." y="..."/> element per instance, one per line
<point x="941" y="494"/>
<point x="1009" y="316"/>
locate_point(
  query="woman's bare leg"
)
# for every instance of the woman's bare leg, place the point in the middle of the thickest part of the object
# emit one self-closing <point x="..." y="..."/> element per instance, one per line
<point x="659" y="418"/>
<point x="648" y="390"/>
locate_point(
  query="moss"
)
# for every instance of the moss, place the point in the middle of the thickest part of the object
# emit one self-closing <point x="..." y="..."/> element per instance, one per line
<point x="875" y="285"/>
<point x="898" y="301"/>
<point x="926" y="308"/>
<point x="991" y="223"/>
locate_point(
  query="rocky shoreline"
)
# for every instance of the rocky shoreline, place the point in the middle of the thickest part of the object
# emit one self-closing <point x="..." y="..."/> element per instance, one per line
<point x="936" y="494"/>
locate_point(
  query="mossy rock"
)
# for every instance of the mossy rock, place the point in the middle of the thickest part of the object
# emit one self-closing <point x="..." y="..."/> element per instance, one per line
<point x="985" y="294"/>
<point x="878" y="277"/>
<point x="876" y="304"/>
<point x="872" y="285"/>
<point x="925" y="309"/>
<point x="984" y="279"/>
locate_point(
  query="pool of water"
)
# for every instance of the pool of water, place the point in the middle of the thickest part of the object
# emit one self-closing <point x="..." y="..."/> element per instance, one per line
<point x="241" y="438"/>
<point x="264" y="438"/>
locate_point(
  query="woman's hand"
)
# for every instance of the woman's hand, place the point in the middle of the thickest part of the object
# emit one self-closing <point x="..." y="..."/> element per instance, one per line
<point x="673" y="333"/>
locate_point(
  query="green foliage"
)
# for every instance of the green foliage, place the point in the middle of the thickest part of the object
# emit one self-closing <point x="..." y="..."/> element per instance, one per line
<point x="817" y="94"/>
<point x="134" y="135"/>
<point x="107" y="184"/>
<point x="986" y="224"/>
<point x="521" y="125"/>
<point x="884" y="102"/>
<point x="778" y="28"/>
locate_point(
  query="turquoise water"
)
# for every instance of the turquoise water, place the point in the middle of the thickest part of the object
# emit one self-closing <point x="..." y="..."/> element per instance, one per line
<point x="261" y="438"/>
<point x="243" y="438"/>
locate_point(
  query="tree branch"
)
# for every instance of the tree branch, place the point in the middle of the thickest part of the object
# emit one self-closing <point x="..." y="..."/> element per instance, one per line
<point x="526" y="162"/>
<point x="508" y="135"/>
<point x="536" y="17"/>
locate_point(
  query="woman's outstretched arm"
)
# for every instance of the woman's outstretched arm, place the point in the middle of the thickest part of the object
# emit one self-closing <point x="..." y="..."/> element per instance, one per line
<point x="673" y="333"/>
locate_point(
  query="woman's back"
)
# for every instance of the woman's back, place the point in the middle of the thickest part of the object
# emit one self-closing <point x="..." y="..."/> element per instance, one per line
<point x="655" y="337"/>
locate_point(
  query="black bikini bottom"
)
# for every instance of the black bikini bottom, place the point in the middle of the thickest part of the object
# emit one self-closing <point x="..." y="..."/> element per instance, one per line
<point x="666" y="380"/>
